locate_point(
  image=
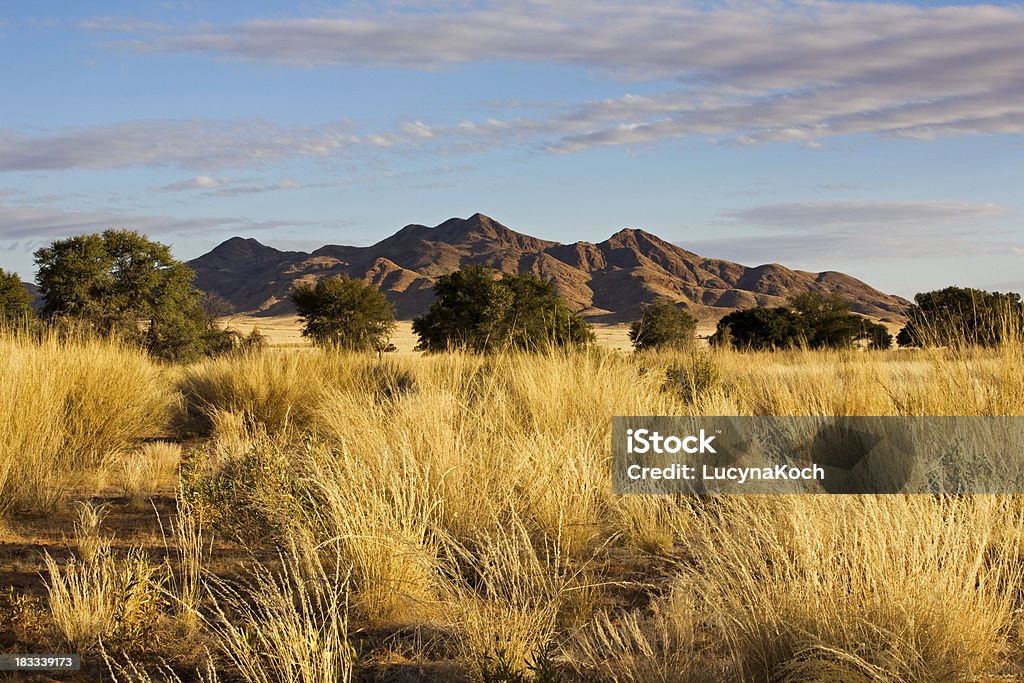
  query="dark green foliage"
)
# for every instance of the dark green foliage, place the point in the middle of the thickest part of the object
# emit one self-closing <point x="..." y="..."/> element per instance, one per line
<point x="877" y="336"/>
<point x="476" y="311"/>
<point x="962" y="316"/>
<point x="116" y="280"/>
<point x="15" y="300"/>
<point x="663" y="325"/>
<point x="825" y="321"/>
<point x="344" y="313"/>
<point x="499" y="668"/>
<point x="759" y="328"/>
<point x="812" y="320"/>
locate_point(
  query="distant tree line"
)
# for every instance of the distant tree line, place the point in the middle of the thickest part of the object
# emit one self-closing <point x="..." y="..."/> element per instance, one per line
<point x="120" y="283"/>
<point x="811" y="320"/>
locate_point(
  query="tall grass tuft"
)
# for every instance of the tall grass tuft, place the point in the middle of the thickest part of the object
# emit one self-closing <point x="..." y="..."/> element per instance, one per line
<point x="288" y="625"/>
<point x="68" y="406"/>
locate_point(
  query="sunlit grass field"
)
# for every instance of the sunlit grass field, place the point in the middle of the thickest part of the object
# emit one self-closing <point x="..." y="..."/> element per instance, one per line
<point x="299" y="515"/>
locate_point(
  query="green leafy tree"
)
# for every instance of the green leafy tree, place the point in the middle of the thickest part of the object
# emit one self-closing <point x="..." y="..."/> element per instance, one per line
<point x="476" y="310"/>
<point x="877" y="336"/>
<point x="663" y="325"/>
<point x="825" y="321"/>
<point x="15" y="300"/>
<point x="122" y="283"/>
<point x="344" y="313"/>
<point x="760" y="328"/>
<point x="962" y="316"/>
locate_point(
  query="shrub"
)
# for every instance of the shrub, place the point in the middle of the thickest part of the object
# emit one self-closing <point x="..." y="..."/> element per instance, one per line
<point x="759" y="328"/>
<point x="15" y="300"/>
<point x="811" y="319"/>
<point x="663" y="325"/>
<point x="345" y="313"/>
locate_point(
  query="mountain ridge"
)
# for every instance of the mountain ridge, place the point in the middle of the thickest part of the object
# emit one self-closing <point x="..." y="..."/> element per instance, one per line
<point x="608" y="281"/>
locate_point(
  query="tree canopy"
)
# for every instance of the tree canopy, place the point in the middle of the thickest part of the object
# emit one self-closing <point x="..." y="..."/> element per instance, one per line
<point x="962" y="316"/>
<point x="810" y="319"/>
<point x="663" y="325"/>
<point x="115" y="280"/>
<point x="15" y="300"/>
<point x="344" y="313"/>
<point x="478" y="311"/>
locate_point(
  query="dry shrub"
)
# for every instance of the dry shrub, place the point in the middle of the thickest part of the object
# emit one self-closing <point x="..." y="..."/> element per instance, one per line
<point x="67" y="406"/>
<point x="380" y="516"/>
<point x="88" y="538"/>
<point x="278" y="390"/>
<point x="192" y="549"/>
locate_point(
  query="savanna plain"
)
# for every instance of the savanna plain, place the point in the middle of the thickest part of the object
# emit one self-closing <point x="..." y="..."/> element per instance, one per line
<point x="296" y="514"/>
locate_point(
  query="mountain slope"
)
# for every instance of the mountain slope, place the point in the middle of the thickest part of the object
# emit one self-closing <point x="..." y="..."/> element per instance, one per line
<point x="608" y="281"/>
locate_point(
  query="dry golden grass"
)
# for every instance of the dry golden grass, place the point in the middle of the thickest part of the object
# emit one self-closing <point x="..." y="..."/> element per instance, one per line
<point x="466" y="500"/>
<point x="149" y="469"/>
<point x="68" y="406"/>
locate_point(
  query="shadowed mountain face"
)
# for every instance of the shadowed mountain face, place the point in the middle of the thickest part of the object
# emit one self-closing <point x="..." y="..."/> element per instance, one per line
<point x="609" y="281"/>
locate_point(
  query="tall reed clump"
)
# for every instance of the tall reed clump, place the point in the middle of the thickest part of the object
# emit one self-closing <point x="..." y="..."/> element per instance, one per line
<point x="68" y="406"/>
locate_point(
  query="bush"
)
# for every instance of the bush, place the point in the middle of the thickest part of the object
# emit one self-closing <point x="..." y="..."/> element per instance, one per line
<point x="344" y="313"/>
<point x="962" y="316"/>
<point x="476" y="311"/>
<point x="663" y="325"/>
<point x="15" y="300"/>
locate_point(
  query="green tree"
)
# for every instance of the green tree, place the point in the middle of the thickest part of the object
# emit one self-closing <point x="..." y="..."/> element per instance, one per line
<point x="877" y="336"/>
<point x="663" y="325"/>
<point x="962" y="316"/>
<point x="15" y="300"/>
<point x="116" y="280"/>
<point x="477" y="311"/>
<point x="825" y="321"/>
<point x="760" y="328"/>
<point x="345" y="313"/>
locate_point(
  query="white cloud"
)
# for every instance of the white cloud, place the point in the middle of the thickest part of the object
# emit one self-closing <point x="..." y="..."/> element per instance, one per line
<point x="742" y="71"/>
<point x="196" y="144"/>
<point x="43" y="222"/>
<point x="842" y="232"/>
<point x="202" y="182"/>
<point x="120" y="25"/>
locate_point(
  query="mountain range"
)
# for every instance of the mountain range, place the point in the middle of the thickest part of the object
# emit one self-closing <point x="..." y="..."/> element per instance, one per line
<point x="608" y="281"/>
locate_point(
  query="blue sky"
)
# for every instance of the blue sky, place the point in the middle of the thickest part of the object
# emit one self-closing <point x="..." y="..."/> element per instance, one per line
<point x="880" y="139"/>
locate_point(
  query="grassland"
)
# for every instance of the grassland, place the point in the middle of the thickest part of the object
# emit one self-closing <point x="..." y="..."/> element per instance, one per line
<point x="308" y="516"/>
